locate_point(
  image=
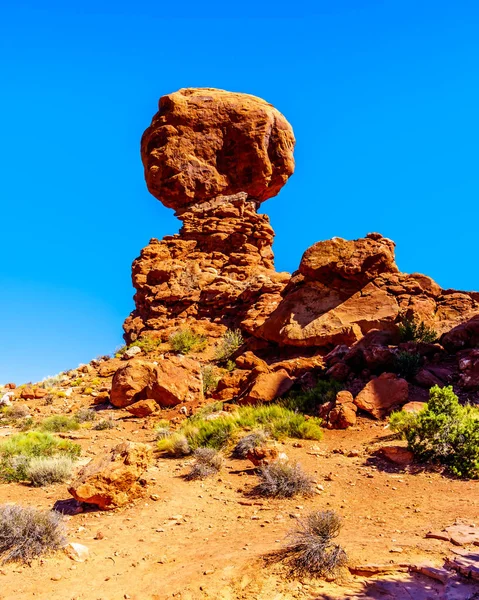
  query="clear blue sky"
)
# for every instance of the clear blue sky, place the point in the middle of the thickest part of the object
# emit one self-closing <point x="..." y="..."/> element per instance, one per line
<point x="383" y="97"/>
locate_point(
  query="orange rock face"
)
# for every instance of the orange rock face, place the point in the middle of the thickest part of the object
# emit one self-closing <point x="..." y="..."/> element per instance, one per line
<point x="203" y="143"/>
<point x="112" y="480"/>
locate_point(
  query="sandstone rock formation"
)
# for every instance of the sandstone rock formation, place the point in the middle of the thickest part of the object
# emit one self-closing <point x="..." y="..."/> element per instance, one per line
<point x="213" y="156"/>
<point x="112" y="480"/>
<point x="171" y="381"/>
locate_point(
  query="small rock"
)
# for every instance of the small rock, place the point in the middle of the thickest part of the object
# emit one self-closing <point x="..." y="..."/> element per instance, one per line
<point x="77" y="552"/>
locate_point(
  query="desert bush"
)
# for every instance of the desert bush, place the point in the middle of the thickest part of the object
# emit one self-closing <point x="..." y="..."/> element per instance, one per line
<point x="207" y="462"/>
<point x="119" y="352"/>
<point x="308" y="401"/>
<point x="14" y="412"/>
<point x="249" y="442"/>
<point x="186" y="340"/>
<point x="147" y="343"/>
<point x="281" y="479"/>
<point x="211" y="378"/>
<point x="407" y="364"/>
<point x="86" y="415"/>
<point x="444" y="432"/>
<point x="414" y="330"/>
<point x="230" y="342"/>
<point x="54" y="469"/>
<point x="311" y="551"/>
<point x="27" y="533"/>
<point x="174" y="445"/>
<point x="17" y="452"/>
<point x="77" y="382"/>
<point x="59" y="423"/>
<point x="207" y="410"/>
<point x="104" y="424"/>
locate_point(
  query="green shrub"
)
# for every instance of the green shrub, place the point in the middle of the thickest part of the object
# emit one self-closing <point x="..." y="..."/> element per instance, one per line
<point x="230" y="342"/>
<point x="27" y="533"/>
<point x="207" y="410"/>
<point x="311" y="551"/>
<point x="281" y="479"/>
<point x="211" y="378"/>
<point x="414" y="330"/>
<point x="186" y="340"/>
<point x="59" y="423"/>
<point x="214" y="433"/>
<point x="54" y="469"/>
<point x="147" y="343"/>
<point x="77" y="382"/>
<point x="119" y="352"/>
<point x="444" y="431"/>
<point x="207" y="462"/>
<point x="407" y="364"/>
<point x="308" y="401"/>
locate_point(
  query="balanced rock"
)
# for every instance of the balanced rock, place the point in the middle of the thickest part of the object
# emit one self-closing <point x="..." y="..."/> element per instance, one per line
<point x="205" y="142"/>
<point x="170" y="381"/>
<point x="112" y="480"/>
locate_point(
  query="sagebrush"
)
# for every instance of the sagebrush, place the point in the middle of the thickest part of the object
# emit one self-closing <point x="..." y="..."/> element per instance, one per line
<point x="47" y="470"/>
<point x="282" y="479"/>
<point x="208" y="462"/>
<point x="249" y="442"/>
<point x="27" y="533"/>
<point x="230" y="342"/>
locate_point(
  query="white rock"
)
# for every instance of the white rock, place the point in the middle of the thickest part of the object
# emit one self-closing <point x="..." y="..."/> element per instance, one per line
<point x="77" y="552"/>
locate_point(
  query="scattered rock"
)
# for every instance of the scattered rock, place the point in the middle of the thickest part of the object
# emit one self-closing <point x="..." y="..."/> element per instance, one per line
<point x="143" y="408"/>
<point x="112" y="480"/>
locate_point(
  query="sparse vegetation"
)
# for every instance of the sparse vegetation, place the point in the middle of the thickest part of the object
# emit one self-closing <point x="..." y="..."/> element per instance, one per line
<point x="216" y="433"/>
<point x="86" y="415"/>
<point x="44" y="471"/>
<point x="175" y="445"/>
<point x="186" y="340"/>
<point x="17" y="452"/>
<point x="249" y="442"/>
<point x="208" y="462"/>
<point x="415" y="330"/>
<point x="308" y="401"/>
<point x="14" y="412"/>
<point x="311" y="551"/>
<point x="230" y="342"/>
<point x="147" y="343"/>
<point x="27" y="533"/>
<point x="104" y="424"/>
<point x="407" y="364"/>
<point x="443" y="432"/>
<point x="211" y="378"/>
<point x="281" y="479"/>
<point x="59" y="423"/>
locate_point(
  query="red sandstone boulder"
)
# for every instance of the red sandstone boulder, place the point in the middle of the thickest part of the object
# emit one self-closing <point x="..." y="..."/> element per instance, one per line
<point x="112" y="480"/>
<point x="266" y="387"/>
<point x="414" y="407"/>
<point x="173" y="380"/>
<point x="335" y="261"/>
<point x="143" y="408"/>
<point x="343" y="415"/>
<point x="33" y="393"/>
<point x="382" y="394"/>
<point x="206" y="142"/>
<point x="469" y="369"/>
<point x="396" y="454"/>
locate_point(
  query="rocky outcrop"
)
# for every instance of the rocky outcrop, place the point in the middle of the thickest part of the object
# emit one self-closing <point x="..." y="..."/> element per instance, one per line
<point x="112" y="480"/>
<point x="171" y="381"/>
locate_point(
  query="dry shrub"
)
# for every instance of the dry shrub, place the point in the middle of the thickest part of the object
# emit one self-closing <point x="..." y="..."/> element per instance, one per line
<point x="26" y="533"/>
<point x="249" y="442"/>
<point x="311" y="551"/>
<point x="282" y="479"/>
<point x="207" y="462"/>
<point x="43" y="471"/>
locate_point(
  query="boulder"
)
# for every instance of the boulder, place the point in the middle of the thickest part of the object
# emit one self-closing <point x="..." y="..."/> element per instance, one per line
<point x="33" y="393"/>
<point x="131" y="353"/>
<point x="206" y="142"/>
<point x="396" y="454"/>
<point x="414" y="407"/>
<point x="109" y="367"/>
<point x="266" y="387"/>
<point x="335" y="261"/>
<point x="469" y="370"/>
<point x="112" y="480"/>
<point x="171" y="381"/>
<point x="143" y="408"/>
<point x="382" y="394"/>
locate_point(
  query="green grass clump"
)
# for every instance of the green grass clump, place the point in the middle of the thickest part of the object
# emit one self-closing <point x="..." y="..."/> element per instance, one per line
<point x="444" y="432"/>
<point x="175" y="445"/>
<point x="59" y="423"/>
<point x="414" y="330"/>
<point x="211" y="378"/>
<point x="186" y="340"/>
<point x="278" y="422"/>
<point x="230" y="342"/>
<point x="27" y="533"/>
<point x="17" y="452"/>
<point x="308" y="401"/>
